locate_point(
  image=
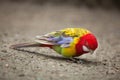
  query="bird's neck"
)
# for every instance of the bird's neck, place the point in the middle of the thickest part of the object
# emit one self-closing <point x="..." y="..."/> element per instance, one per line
<point x="79" y="47"/>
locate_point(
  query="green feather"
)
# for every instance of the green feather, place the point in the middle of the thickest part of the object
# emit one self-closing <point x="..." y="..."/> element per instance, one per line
<point x="58" y="49"/>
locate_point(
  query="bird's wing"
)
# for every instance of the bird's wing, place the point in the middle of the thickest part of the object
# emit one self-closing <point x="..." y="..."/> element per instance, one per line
<point x="61" y="37"/>
<point x="54" y="40"/>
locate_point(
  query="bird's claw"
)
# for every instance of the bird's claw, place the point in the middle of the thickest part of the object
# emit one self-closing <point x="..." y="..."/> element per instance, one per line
<point x="75" y="60"/>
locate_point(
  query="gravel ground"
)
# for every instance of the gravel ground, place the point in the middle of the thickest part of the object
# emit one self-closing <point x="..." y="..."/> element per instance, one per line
<point x="20" y="22"/>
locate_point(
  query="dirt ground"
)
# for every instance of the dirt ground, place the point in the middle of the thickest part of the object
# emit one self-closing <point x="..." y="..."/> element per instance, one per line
<point x="21" y="22"/>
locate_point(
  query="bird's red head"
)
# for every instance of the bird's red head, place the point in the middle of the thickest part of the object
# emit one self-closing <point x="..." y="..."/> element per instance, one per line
<point x="87" y="43"/>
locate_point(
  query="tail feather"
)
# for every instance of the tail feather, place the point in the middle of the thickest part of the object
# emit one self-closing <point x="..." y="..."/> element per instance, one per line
<point x="38" y="43"/>
<point x="25" y="45"/>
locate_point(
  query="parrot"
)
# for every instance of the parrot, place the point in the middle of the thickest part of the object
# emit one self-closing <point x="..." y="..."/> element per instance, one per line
<point x="68" y="42"/>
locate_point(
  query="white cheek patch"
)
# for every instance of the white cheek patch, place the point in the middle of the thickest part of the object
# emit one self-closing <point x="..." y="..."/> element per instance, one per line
<point x="85" y="49"/>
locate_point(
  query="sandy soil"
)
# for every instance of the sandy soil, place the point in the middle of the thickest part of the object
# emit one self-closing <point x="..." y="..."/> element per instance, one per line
<point x="21" y="22"/>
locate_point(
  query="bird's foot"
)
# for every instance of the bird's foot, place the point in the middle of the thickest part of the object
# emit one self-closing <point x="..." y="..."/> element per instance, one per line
<point x="76" y="60"/>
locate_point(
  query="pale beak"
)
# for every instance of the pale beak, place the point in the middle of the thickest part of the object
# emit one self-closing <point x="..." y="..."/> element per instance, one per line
<point x="91" y="51"/>
<point x="87" y="49"/>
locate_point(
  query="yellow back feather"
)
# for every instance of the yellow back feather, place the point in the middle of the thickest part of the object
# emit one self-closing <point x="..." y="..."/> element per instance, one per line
<point x="75" y="32"/>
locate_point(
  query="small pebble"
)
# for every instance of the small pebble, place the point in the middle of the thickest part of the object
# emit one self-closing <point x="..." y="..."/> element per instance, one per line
<point x="53" y="66"/>
<point x="5" y="51"/>
<point x="104" y="64"/>
<point x="61" y="64"/>
<point x="105" y="60"/>
<point x="61" y="75"/>
<point x="2" y="59"/>
<point x="110" y="72"/>
<point x="6" y="65"/>
<point x="6" y="34"/>
<point x="14" y="68"/>
<point x="21" y="75"/>
<point x="32" y="56"/>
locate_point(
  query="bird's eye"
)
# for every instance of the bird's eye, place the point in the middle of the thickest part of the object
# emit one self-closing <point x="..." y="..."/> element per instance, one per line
<point x="85" y="49"/>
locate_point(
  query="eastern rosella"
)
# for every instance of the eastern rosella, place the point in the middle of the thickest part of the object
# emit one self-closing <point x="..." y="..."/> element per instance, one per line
<point x="69" y="42"/>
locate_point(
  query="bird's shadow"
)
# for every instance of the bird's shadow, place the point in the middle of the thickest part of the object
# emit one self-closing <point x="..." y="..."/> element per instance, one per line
<point x="76" y="60"/>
